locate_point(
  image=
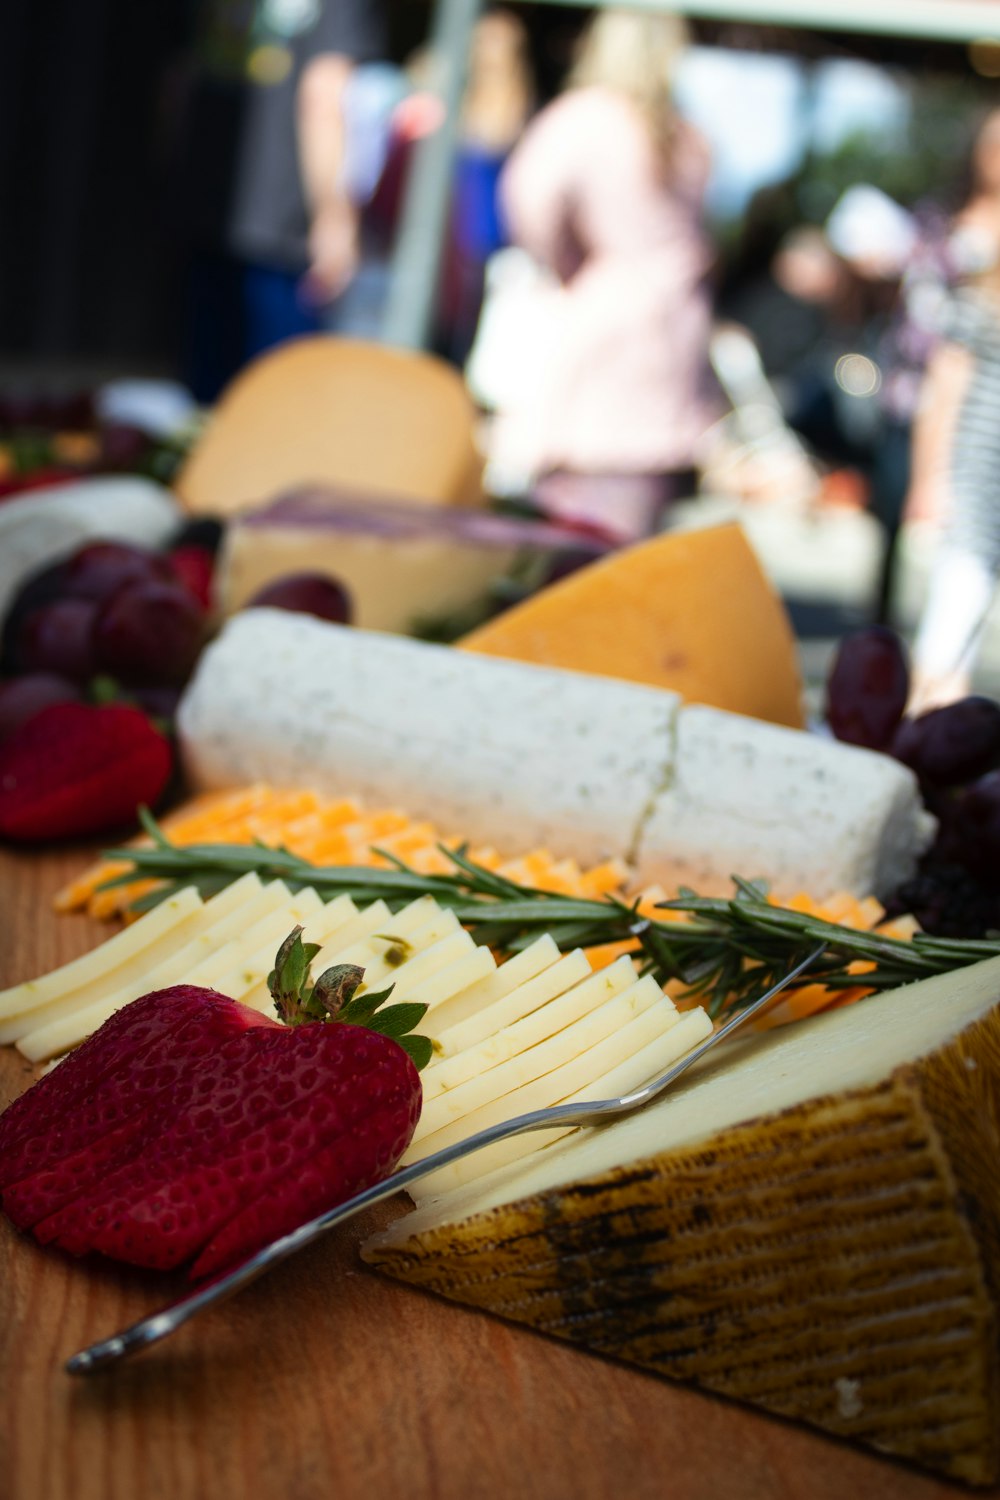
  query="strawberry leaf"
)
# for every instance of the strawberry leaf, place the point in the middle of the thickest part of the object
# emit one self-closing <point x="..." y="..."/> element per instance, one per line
<point x="397" y="1020"/>
<point x="418" y="1049"/>
<point x="334" y="996"/>
<point x="288" y="979"/>
<point x="359" y="1010"/>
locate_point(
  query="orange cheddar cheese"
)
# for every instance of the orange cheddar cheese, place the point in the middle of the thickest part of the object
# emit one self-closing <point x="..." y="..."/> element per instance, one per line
<point x="691" y="611"/>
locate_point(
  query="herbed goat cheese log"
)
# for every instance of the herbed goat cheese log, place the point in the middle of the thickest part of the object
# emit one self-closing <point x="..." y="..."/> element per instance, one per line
<point x="502" y="751"/>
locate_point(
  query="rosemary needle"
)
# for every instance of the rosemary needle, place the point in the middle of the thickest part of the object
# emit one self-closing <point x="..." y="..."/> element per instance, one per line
<point x="727" y="951"/>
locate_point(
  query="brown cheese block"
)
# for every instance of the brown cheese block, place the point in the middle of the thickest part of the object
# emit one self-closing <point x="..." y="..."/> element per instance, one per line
<point x="690" y="610"/>
<point x="836" y="1262"/>
<point x="337" y="411"/>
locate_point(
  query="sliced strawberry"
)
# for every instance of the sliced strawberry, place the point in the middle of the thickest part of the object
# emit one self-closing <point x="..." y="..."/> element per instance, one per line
<point x="69" y="1108"/>
<point x="189" y="1126"/>
<point x="74" y="769"/>
<point x="250" y="1089"/>
<point x="347" y="1166"/>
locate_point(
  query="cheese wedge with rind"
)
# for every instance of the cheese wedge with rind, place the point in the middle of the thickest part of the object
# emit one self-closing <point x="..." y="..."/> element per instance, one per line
<point x="809" y="1222"/>
<point x="690" y="610"/>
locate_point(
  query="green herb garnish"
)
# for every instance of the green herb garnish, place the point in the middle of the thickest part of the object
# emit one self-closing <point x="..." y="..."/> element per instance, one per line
<point x="728" y="951"/>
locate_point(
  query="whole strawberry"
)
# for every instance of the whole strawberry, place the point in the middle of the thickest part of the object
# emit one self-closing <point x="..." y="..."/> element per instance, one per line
<point x="73" y="770"/>
<point x="191" y="1128"/>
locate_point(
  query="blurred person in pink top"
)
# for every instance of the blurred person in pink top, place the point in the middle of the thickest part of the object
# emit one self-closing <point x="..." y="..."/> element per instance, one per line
<point x="605" y="192"/>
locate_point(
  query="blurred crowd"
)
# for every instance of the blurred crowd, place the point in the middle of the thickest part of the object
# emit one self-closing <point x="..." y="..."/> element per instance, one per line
<point x="621" y="357"/>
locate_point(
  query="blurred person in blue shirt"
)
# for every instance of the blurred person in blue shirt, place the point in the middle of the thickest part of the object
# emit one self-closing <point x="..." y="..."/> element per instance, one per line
<point x="271" y="228"/>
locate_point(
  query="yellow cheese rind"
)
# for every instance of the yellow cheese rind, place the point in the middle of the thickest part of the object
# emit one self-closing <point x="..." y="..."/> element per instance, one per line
<point x="691" y="611"/>
<point x="836" y="1262"/>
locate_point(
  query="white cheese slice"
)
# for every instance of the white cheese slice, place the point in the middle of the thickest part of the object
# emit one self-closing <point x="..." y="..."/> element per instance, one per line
<point x="515" y="971"/>
<point x="217" y="922"/>
<point x="547" y="1071"/>
<point x="409" y="928"/>
<point x="541" y="1022"/>
<point x="832" y="1054"/>
<point x="118" y="951"/>
<point x="246" y="959"/>
<point x="237" y="973"/>
<point x="415" y="939"/>
<point x="319" y="927"/>
<point x="649" y="1061"/>
<point x="552" y="981"/>
<point x="455" y="944"/>
<point x="449" y="980"/>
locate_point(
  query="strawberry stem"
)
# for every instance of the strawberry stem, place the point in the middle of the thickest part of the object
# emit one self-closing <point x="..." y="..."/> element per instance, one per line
<point x="335" y="997"/>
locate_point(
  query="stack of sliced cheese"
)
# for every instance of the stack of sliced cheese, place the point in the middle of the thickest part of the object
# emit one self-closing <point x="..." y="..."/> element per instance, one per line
<point x="539" y="1029"/>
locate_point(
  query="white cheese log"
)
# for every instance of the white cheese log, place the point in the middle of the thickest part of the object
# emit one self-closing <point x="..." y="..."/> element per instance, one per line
<point x="501" y="753"/>
<point x="809" y="1221"/>
<point x="46" y="525"/>
<point x="753" y="798"/>
<point x="517" y="756"/>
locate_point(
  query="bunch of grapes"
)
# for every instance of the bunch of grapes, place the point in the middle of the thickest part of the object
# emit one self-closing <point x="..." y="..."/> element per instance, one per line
<point x="131" y="620"/>
<point x="954" y="752"/>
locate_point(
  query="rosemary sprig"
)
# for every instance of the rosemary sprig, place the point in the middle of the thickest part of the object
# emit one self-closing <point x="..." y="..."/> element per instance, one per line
<point x="727" y="951"/>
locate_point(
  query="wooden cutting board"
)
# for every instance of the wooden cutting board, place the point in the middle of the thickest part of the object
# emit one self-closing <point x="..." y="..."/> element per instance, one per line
<point x="325" y="1382"/>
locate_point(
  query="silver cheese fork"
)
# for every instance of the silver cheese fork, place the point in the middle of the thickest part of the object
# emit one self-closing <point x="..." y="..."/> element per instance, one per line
<point x="162" y="1324"/>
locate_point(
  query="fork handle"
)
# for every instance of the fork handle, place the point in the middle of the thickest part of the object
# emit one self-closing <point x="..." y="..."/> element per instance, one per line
<point x="156" y="1326"/>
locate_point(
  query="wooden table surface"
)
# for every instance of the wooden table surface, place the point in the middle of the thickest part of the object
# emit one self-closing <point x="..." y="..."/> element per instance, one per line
<point x="324" y="1380"/>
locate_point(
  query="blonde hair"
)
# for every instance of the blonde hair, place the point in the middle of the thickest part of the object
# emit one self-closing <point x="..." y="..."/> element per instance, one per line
<point x="636" y="54"/>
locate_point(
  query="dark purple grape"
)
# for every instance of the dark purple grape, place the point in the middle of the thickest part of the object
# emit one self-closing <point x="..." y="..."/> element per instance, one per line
<point x="58" y="637"/>
<point x="867" y="688"/>
<point x="947" y="900"/>
<point x="23" y="697"/>
<point x="100" y="569"/>
<point x="308" y="594"/>
<point x="149" y="634"/>
<point x="951" y="745"/>
<point x="40" y="588"/>
<point x="123" y="447"/>
<point x="157" y="702"/>
<point x="976" y="827"/>
<point x="72" y="411"/>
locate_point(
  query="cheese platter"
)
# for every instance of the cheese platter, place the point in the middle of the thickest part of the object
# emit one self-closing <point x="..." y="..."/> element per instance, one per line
<point x="842" y="1164"/>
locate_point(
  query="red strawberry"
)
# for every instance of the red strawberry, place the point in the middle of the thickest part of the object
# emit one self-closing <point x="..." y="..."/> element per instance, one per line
<point x="190" y="1127"/>
<point x="73" y="769"/>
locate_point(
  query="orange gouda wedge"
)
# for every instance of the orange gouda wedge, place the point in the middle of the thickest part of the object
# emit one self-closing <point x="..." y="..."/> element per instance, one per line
<point x="690" y="610"/>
